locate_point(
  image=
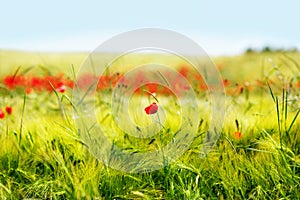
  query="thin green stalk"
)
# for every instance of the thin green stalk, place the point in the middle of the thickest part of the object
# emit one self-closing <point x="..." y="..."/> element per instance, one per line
<point x="58" y="100"/>
<point x="270" y="89"/>
<point x="286" y="109"/>
<point x="90" y="88"/>
<point x="278" y="120"/>
<point x="282" y="107"/>
<point x="292" y="123"/>
<point x="22" y="116"/>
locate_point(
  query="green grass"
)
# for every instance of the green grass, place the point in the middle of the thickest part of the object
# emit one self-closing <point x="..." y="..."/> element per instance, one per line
<point x="42" y="155"/>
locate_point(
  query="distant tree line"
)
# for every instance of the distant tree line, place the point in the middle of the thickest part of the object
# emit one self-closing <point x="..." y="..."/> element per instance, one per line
<point x="268" y="49"/>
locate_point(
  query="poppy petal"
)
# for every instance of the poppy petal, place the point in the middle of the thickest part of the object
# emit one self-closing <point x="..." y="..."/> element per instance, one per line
<point x="152" y="109"/>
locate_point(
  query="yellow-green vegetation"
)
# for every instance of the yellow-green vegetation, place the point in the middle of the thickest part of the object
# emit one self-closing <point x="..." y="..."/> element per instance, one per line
<point x="42" y="155"/>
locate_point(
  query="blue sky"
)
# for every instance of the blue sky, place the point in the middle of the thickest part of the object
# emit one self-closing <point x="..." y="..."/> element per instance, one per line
<point x="220" y="27"/>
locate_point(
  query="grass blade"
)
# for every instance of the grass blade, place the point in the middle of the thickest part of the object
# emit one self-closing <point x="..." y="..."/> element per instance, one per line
<point x="294" y="119"/>
<point x="90" y="88"/>
<point x="22" y="117"/>
<point x="58" y="99"/>
<point x="273" y="97"/>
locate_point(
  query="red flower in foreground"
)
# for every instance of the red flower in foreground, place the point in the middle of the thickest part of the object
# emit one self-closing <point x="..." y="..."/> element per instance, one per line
<point x="2" y="114"/>
<point x="152" y="109"/>
<point x="9" y="110"/>
<point x="237" y="135"/>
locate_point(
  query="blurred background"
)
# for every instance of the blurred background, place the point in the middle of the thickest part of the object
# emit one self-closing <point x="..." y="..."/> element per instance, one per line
<point x="220" y="27"/>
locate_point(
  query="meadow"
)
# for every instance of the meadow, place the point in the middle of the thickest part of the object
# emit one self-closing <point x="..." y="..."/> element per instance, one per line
<point x="44" y="155"/>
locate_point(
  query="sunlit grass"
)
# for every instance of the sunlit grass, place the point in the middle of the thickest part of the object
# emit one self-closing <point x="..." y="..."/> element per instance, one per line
<point x="43" y="157"/>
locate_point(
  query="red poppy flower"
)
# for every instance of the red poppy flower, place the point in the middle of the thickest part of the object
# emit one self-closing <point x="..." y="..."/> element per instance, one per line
<point x="2" y="114"/>
<point x="226" y="83"/>
<point x="152" y="87"/>
<point x="9" y="110"/>
<point x="28" y="90"/>
<point x="237" y="135"/>
<point x="61" y="89"/>
<point x="152" y="109"/>
<point x="184" y="71"/>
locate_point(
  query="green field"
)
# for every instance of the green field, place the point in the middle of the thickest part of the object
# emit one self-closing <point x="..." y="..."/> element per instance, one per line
<point x="44" y="157"/>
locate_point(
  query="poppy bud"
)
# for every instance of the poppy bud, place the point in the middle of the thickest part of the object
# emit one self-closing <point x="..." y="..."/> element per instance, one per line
<point x="9" y="110"/>
<point x="61" y="89"/>
<point x="2" y="114"/>
<point x="237" y="135"/>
